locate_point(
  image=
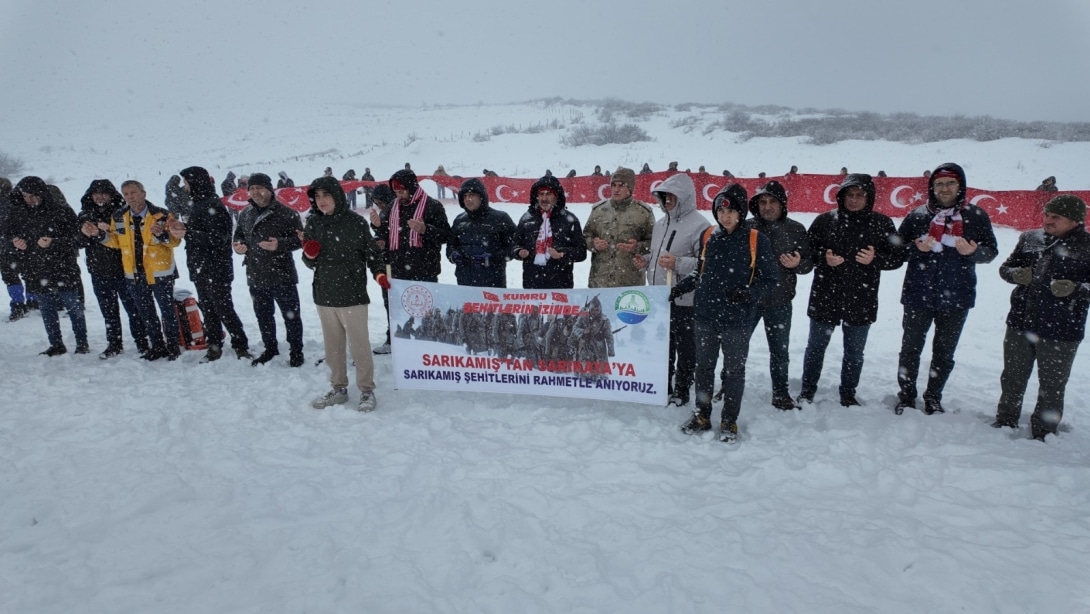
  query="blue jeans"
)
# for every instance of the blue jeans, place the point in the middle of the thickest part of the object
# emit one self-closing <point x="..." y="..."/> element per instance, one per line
<point x="916" y="323"/>
<point x="711" y="339"/>
<point x="48" y="302"/>
<point x="855" y="339"/>
<point x="146" y="296"/>
<point x="287" y="298"/>
<point x="777" y="321"/>
<point x="107" y="291"/>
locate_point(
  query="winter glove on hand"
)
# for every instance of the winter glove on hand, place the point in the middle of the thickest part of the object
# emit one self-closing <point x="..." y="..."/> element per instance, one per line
<point x="456" y="257"/>
<point x="738" y="297"/>
<point x="383" y="282"/>
<point x="1022" y="276"/>
<point x="311" y="248"/>
<point x="1062" y="287"/>
<point x="674" y="293"/>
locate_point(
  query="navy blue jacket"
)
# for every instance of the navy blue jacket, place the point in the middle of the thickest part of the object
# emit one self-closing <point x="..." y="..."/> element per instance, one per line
<point x="725" y="270"/>
<point x="945" y="280"/>
<point x="480" y="241"/>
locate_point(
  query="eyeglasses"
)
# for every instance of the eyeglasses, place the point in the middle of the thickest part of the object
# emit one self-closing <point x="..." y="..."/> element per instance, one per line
<point x="945" y="185"/>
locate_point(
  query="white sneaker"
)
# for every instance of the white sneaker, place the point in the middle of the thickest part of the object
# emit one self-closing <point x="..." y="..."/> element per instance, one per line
<point x="368" y="402"/>
<point x="333" y="397"/>
<point x="382" y="349"/>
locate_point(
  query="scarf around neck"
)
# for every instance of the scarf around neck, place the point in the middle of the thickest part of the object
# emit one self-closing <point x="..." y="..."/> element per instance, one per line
<point x="544" y="241"/>
<point x="946" y="228"/>
<point x="419" y="199"/>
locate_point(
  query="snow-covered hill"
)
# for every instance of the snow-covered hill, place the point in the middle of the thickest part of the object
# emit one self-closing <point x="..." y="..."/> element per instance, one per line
<point x="180" y="487"/>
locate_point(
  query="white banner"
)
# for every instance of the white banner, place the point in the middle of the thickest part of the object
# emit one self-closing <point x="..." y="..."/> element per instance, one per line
<point x="599" y="343"/>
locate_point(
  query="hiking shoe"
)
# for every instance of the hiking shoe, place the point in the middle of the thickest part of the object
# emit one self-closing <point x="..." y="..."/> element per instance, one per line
<point x="368" y="402"/>
<point x="932" y="406"/>
<point x="111" y="351"/>
<point x="681" y="400"/>
<point x="806" y="396"/>
<point x="903" y="404"/>
<point x="849" y="400"/>
<point x="156" y="353"/>
<point x="336" y="396"/>
<point x="382" y="349"/>
<point x="696" y="424"/>
<point x="728" y="432"/>
<point x="784" y="402"/>
<point x="83" y="348"/>
<point x="215" y="352"/>
<point x="296" y="358"/>
<point x="243" y="353"/>
<point x="18" y="312"/>
<point x="265" y="357"/>
<point x="55" y="350"/>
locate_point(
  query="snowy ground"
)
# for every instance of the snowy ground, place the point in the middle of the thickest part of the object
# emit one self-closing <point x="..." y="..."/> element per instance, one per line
<point x="180" y="487"/>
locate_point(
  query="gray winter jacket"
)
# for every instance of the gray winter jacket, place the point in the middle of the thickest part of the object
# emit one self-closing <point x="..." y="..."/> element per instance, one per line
<point x="677" y="232"/>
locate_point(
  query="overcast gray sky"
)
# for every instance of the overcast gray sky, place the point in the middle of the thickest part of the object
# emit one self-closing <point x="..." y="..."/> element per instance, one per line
<point x="1018" y="59"/>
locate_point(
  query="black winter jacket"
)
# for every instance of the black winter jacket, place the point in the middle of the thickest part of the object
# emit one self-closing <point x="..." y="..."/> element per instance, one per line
<point x="269" y="269"/>
<point x="787" y="236"/>
<point x="848" y="293"/>
<point x="480" y="241"/>
<point x="347" y="250"/>
<point x="1034" y="308"/>
<point x="102" y="262"/>
<point x="567" y="239"/>
<point x="417" y="263"/>
<point x="208" y="231"/>
<point x="53" y="267"/>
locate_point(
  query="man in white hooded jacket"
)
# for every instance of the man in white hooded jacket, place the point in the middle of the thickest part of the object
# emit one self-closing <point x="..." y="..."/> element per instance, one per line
<point x="676" y="240"/>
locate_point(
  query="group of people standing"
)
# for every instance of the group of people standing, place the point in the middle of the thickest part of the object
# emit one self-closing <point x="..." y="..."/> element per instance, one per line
<point x="725" y="278"/>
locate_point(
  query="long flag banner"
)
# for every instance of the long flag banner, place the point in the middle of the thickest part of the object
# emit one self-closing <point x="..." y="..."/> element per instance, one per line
<point x="599" y="343"/>
<point x="894" y="196"/>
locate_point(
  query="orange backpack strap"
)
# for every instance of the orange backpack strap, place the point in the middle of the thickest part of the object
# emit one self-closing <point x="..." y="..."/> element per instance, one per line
<point x="752" y="254"/>
<point x="704" y="246"/>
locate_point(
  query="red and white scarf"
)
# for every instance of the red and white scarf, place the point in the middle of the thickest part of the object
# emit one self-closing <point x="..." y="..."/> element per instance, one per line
<point x="544" y="241"/>
<point x="946" y="228"/>
<point x="420" y="199"/>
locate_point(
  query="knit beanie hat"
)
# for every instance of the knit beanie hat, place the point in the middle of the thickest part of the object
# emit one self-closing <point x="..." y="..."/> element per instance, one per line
<point x="1069" y="206"/>
<point x="626" y="176"/>
<point x="734" y="197"/>
<point x="261" y="179"/>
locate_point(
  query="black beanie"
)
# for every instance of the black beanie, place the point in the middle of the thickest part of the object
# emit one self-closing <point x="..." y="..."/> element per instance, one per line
<point x="261" y="179"/>
<point x="733" y="197"/>
<point x="1069" y="206"/>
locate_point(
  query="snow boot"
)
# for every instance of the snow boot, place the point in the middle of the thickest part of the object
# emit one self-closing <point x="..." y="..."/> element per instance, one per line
<point x="265" y="357"/>
<point x="849" y="400"/>
<point x="55" y="350"/>
<point x="784" y="402"/>
<point x="903" y="404"/>
<point x="728" y="431"/>
<point x="215" y="352"/>
<point x="932" y="406"/>
<point x="295" y="358"/>
<point x="697" y="423"/>
<point x="111" y="351"/>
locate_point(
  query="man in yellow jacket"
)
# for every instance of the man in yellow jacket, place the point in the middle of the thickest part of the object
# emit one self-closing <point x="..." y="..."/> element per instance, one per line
<point x="142" y="231"/>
